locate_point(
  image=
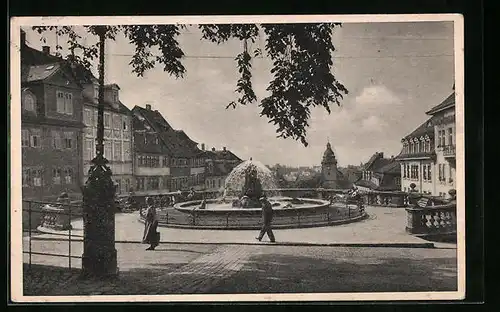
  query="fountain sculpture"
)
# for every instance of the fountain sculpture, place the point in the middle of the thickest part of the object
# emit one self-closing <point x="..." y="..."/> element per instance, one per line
<point x="251" y="190"/>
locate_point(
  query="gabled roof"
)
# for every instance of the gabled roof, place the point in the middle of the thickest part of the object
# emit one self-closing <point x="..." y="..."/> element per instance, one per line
<point x="31" y="56"/>
<point x="177" y="143"/>
<point x="375" y="162"/>
<point x="391" y="167"/>
<point x="447" y="103"/>
<point x="426" y="128"/>
<point x="221" y="155"/>
<point x="40" y="72"/>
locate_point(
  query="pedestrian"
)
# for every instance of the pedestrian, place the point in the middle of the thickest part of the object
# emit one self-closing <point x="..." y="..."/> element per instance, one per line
<point x="267" y="217"/>
<point x="151" y="236"/>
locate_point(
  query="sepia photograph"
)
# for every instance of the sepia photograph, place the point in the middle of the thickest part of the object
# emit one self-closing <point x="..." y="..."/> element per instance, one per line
<point x="237" y="158"/>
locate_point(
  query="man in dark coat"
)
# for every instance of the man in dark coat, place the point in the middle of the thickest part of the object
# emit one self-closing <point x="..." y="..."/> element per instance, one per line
<point x="267" y="216"/>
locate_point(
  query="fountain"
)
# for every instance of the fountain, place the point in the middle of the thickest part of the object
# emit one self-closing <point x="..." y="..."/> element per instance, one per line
<point x="239" y="206"/>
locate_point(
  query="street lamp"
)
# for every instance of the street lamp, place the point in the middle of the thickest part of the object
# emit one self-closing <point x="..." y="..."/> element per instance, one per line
<point x="99" y="257"/>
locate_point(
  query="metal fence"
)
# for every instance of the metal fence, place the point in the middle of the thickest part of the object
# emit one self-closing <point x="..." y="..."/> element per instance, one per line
<point x="49" y="215"/>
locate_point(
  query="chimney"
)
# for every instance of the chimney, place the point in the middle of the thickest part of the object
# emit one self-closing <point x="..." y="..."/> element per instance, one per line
<point x="148" y="106"/>
<point x="224" y="148"/>
<point x="213" y="149"/>
<point x="46" y="50"/>
<point x="23" y="37"/>
<point x="202" y="146"/>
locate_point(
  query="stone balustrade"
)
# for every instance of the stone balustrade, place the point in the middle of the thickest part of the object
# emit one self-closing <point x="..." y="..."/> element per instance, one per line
<point x="432" y="220"/>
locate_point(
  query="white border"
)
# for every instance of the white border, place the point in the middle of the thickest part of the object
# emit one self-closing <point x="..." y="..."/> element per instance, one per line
<point x="15" y="118"/>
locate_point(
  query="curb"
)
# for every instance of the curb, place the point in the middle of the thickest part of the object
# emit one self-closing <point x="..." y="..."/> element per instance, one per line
<point x="291" y="244"/>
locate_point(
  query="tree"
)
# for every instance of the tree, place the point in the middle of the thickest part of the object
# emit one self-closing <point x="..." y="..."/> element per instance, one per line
<point x="301" y="56"/>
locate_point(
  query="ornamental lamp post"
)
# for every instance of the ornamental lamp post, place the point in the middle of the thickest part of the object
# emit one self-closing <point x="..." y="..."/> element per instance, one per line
<point x="99" y="257"/>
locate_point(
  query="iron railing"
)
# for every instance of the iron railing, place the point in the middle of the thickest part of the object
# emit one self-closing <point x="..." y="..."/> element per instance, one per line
<point x="54" y="215"/>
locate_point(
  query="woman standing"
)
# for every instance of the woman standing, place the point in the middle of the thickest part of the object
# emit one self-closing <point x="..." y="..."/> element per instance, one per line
<point x="151" y="236"/>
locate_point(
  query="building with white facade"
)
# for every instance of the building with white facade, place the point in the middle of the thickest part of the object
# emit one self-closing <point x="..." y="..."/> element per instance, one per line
<point x="428" y="156"/>
<point x="118" y="138"/>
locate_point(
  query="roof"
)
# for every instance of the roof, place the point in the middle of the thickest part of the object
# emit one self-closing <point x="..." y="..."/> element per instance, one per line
<point x="391" y="167"/>
<point x="39" y="72"/>
<point x="376" y="162"/>
<point x="221" y="155"/>
<point x="31" y="56"/>
<point x="426" y="128"/>
<point x="107" y="105"/>
<point x="328" y="155"/>
<point x="447" y="103"/>
<point x="175" y="142"/>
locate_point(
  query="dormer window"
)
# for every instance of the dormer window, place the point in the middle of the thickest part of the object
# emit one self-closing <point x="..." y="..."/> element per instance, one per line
<point x="29" y="103"/>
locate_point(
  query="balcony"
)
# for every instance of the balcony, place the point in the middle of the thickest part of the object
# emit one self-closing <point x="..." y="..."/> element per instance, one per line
<point x="449" y="151"/>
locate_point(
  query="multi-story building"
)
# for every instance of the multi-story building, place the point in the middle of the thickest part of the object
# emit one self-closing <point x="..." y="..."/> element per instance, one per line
<point x="427" y="159"/>
<point x="218" y="165"/>
<point x="379" y="173"/>
<point x="165" y="159"/>
<point x="51" y="126"/>
<point x="118" y="139"/>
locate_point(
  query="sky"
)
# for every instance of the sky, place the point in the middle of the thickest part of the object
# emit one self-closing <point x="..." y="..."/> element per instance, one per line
<point x="394" y="73"/>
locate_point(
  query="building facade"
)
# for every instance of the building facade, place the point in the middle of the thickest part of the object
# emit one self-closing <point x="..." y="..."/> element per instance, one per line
<point x="118" y="139"/>
<point x="380" y="174"/>
<point x="427" y="160"/>
<point x="218" y="165"/>
<point x="51" y="126"/>
<point x="165" y="160"/>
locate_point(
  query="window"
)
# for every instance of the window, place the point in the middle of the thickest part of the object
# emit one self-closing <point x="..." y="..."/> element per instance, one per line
<point x="95" y="113"/>
<point x="118" y="186"/>
<point x="417" y="147"/>
<point x="156" y="140"/>
<point x="29" y="103"/>
<point x="450" y="136"/>
<point x="125" y="123"/>
<point x="397" y="181"/>
<point x="145" y="138"/>
<point x="117" y="151"/>
<point x="60" y="102"/>
<point x="115" y="97"/>
<point x="165" y="161"/>
<point x="68" y="176"/>
<point x="107" y="120"/>
<point x="68" y="140"/>
<point x="140" y="184"/>
<point x="87" y="117"/>
<point x="450" y="175"/>
<point x="37" y="177"/>
<point x="126" y="152"/>
<point x="26" y="177"/>
<point x="64" y="102"/>
<point x="56" y="176"/>
<point x="25" y="138"/>
<point x="424" y="172"/>
<point x="116" y="122"/>
<point x="35" y="140"/>
<point x="429" y="172"/>
<point x="108" y="150"/>
<point x="88" y="149"/>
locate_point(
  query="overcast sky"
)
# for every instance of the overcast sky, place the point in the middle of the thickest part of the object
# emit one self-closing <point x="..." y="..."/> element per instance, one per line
<point x="394" y="73"/>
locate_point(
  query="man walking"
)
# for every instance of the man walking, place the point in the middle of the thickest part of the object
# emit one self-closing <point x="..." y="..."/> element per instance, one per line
<point x="267" y="216"/>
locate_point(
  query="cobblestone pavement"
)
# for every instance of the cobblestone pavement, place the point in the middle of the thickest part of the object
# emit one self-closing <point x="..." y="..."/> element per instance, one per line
<point x="189" y="269"/>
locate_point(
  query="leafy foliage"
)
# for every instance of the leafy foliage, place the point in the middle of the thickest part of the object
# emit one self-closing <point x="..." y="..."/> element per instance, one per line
<point x="301" y="55"/>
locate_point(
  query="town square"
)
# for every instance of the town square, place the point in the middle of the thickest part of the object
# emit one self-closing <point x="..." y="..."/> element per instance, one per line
<point x="255" y="158"/>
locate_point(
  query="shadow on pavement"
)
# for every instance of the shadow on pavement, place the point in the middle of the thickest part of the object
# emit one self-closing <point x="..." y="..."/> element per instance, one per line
<point x="303" y="274"/>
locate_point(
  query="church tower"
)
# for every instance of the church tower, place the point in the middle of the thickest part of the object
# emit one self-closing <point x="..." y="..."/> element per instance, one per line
<point x="329" y="168"/>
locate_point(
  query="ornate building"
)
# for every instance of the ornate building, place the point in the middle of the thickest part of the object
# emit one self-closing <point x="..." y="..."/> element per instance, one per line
<point x="427" y="159"/>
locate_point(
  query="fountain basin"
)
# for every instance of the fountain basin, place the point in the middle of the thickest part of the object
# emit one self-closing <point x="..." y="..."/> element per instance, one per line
<point x="217" y="216"/>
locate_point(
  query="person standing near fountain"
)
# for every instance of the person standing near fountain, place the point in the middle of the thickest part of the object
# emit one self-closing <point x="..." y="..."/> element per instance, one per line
<point x="151" y="236"/>
<point x="267" y="216"/>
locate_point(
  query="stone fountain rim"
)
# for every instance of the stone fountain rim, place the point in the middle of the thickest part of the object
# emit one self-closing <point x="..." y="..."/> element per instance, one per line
<point x="180" y="206"/>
